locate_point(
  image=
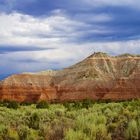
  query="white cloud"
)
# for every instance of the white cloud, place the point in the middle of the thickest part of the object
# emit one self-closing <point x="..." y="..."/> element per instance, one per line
<point x="64" y="56"/>
<point x="19" y="29"/>
<point x="25" y="30"/>
<point x="52" y="32"/>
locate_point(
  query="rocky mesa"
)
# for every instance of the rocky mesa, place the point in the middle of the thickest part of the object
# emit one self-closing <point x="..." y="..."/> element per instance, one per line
<point x="97" y="77"/>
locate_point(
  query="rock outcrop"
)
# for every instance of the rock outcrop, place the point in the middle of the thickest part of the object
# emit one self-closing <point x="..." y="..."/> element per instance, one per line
<point x="99" y="76"/>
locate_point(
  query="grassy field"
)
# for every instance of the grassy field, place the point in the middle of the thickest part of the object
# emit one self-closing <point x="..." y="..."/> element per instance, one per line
<point x="86" y="120"/>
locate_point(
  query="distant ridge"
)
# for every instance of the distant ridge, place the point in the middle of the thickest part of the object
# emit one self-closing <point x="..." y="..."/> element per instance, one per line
<point x="128" y="55"/>
<point x="99" y="54"/>
<point x="102" y="54"/>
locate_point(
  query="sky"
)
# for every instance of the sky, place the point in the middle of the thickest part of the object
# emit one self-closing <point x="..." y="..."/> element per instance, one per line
<point x="37" y="35"/>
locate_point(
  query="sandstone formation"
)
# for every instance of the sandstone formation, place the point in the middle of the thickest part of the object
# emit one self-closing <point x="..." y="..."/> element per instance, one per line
<point x="99" y="76"/>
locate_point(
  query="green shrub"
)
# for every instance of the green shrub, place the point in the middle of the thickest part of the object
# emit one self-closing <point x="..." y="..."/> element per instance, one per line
<point x="43" y="130"/>
<point x="12" y="104"/>
<point x="42" y="104"/>
<point x="23" y="132"/>
<point x="3" y="132"/>
<point x="13" y="135"/>
<point x="139" y="126"/>
<point x="77" y="105"/>
<point x="75" y="135"/>
<point x="68" y="106"/>
<point x="102" y="133"/>
<point x="101" y="120"/>
<point x="87" y="103"/>
<point x="33" y="121"/>
<point x="4" y="103"/>
<point x="26" y="103"/>
<point x="56" y="132"/>
<point x="132" y="132"/>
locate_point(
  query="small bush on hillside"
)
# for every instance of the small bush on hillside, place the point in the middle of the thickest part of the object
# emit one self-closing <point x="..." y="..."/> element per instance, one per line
<point x="12" y="104"/>
<point x="42" y="104"/>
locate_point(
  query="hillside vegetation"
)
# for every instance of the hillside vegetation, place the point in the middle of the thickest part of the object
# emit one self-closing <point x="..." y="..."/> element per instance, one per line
<point x="85" y="120"/>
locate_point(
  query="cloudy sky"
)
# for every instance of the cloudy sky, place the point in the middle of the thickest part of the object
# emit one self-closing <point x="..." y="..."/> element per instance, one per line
<point x="36" y="35"/>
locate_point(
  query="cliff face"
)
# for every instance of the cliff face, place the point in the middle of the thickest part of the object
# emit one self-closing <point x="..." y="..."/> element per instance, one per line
<point x="97" y="77"/>
<point x="27" y="87"/>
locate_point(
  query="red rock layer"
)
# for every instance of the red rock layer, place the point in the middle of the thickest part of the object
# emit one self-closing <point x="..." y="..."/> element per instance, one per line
<point x="28" y="88"/>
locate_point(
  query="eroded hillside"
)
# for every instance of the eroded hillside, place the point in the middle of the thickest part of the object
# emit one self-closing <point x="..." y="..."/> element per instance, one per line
<point x="99" y="76"/>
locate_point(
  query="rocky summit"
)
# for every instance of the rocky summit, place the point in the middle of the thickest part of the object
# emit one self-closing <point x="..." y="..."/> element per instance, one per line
<point x="97" y="77"/>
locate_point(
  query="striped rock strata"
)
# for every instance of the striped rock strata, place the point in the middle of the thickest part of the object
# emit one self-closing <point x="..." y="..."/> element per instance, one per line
<point x="97" y="77"/>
